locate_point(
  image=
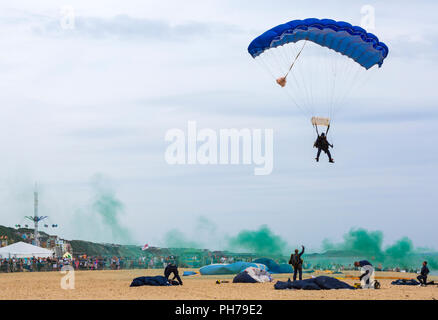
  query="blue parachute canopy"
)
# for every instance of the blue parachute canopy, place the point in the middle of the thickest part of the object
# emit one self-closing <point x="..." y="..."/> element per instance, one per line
<point x="274" y="267"/>
<point x="352" y="41"/>
<point x="233" y="268"/>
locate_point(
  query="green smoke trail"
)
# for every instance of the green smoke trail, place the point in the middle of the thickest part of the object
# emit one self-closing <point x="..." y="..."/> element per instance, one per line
<point x="205" y="225"/>
<point x="366" y="242"/>
<point x="204" y="235"/>
<point x="401" y="253"/>
<point x="109" y="208"/>
<point x="176" y="239"/>
<point x="359" y="241"/>
<point x="369" y="245"/>
<point x="261" y="241"/>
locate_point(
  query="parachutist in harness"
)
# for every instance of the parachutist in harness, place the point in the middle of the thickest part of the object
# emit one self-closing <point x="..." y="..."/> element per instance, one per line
<point x="322" y="144"/>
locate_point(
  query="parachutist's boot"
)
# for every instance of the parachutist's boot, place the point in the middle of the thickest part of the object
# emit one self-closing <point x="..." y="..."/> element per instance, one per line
<point x="332" y="161"/>
<point x="317" y="159"/>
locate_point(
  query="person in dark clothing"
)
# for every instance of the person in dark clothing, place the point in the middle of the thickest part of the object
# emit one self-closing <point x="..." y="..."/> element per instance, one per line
<point x="322" y="144"/>
<point x="297" y="263"/>
<point x="362" y="263"/>
<point x="172" y="268"/>
<point x="423" y="274"/>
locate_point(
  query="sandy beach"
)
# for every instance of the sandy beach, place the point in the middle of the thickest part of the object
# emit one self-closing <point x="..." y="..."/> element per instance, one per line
<point x="92" y="285"/>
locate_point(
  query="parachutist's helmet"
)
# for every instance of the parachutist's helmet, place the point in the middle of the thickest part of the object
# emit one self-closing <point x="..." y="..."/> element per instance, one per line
<point x="323" y="134"/>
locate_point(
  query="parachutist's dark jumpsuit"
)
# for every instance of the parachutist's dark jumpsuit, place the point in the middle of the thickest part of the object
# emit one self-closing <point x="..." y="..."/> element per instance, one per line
<point x="423" y="276"/>
<point x="297" y="263"/>
<point x="322" y="144"/>
<point x="172" y="268"/>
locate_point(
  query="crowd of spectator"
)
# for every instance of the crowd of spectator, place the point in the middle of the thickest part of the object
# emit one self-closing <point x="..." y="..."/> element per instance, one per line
<point x="146" y="262"/>
<point x="78" y="263"/>
<point x="109" y="263"/>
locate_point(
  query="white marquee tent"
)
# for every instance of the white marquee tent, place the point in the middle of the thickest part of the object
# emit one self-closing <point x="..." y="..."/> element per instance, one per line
<point x="24" y="250"/>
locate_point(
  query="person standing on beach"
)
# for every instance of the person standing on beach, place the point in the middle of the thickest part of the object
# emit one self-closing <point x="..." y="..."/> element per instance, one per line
<point x="297" y="263"/>
<point x="423" y="274"/>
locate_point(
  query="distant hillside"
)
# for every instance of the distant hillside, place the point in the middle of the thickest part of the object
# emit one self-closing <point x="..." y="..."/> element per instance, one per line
<point x="78" y="246"/>
<point x="336" y="253"/>
<point x="99" y="249"/>
<point x="15" y="235"/>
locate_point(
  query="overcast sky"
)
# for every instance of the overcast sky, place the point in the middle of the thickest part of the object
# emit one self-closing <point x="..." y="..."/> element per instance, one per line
<point x="98" y="99"/>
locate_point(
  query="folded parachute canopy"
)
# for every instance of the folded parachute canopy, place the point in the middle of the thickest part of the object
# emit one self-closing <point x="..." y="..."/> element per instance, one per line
<point x="405" y="282"/>
<point x="318" y="283"/>
<point x="152" y="281"/>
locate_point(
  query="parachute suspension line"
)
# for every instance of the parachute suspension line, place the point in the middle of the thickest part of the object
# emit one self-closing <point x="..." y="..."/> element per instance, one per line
<point x="350" y="78"/>
<point x="305" y="111"/>
<point x="306" y="74"/>
<point x="274" y="61"/>
<point x="283" y="53"/>
<point x="323" y="75"/>
<point x="351" y="81"/>
<point x="277" y="61"/>
<point x="265" y="66"/>
<point x="330" y="62"/>
<point x="269" y="63"/>
<point x="262" y="63"/>
<point x="326" y="131"/>
<point x="341" y="72"/>
<point x="303" y="77"/>
<point x="300" y="84"/>
<point x="334" y="65"/>
<point x="291" y="66"/>
<point x="354" y="84"/>
<point x="297" y="84"/>
<point x="348" y="74"/>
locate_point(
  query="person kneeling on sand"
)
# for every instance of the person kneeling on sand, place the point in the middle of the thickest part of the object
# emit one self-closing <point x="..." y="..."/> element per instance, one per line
<point x="172" y="268"/>
<point x="423" y="274"/>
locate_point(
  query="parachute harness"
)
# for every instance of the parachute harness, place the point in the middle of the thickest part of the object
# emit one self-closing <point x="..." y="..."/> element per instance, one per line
<point x="326" y="132"/>
<point x="282" y="81"/>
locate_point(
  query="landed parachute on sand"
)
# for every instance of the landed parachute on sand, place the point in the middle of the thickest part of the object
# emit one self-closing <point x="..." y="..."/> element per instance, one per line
<point x="157" y="281"/>
<point x="317" y="283"/>
<point x="233" y="268"/>
<point x="274" y="267"/>
<point x="252" y="275"/>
